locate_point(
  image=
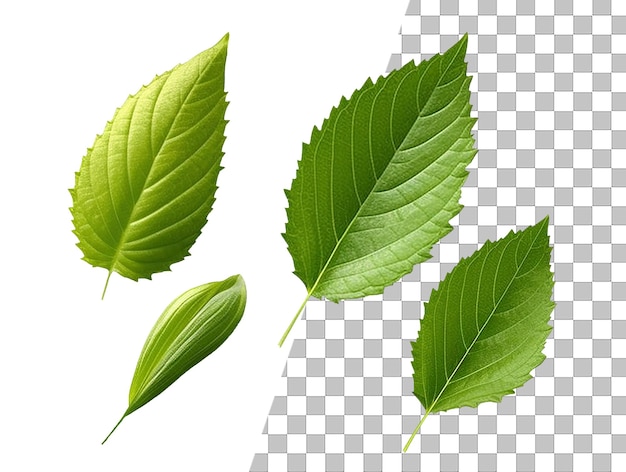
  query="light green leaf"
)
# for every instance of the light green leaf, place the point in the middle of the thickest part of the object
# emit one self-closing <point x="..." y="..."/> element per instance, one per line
<point x="193" y="326"/>
<point x="145" y="188"/>
<point x="485" y="327"/>
<point x="378" y="184"/>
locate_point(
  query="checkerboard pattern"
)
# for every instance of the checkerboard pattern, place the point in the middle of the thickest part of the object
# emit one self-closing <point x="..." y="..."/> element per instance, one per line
<point x="549" y="90"/>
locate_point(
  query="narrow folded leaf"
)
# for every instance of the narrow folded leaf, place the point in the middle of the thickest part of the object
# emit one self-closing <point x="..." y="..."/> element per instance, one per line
<point x="379" y="182"/>
<point x="485" y="327"/>
<point x="193" y="326"/>
<point x="145" y="188"/>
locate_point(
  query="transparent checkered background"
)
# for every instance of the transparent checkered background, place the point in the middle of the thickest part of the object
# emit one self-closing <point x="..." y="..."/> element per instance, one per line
<point x="550" y="94"/>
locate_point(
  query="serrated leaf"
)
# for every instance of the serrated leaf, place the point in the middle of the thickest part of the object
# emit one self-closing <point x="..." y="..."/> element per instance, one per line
<point x="145" y="188"/>
<point x="379" y="182"/>
<point x="485" y="327"/>
<point x="193" y="326"/>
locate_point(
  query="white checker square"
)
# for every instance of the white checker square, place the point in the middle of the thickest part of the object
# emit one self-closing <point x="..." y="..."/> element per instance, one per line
<point x="525" y="139"/>
<point x="564" y="443"/>
<point x="544" y="120"/>
<point x="619" y="423"/>
<point x="296" y="367"/>
<point x="506" y="43"/>
<point x="602" y="291"/>
<point x="429" y="461"/>
<point x="563" y="25"/>
<point x="601" y="367"/>
<point x="582" y="8"/>
<point x="602" y="253"/>
<point x="430" y="9"/>
<point x="315" y="348"/>
<point x="335" y="367"/>
<point x="583" y="462"/>
<point x="544" y="424"/>
<point x="372" y="443"/>
<point x="315" y="424"/>
<point x="314" y="461"/>
<point x="315" y="387"/>
<point x="449" y="443"/>
<point x="297" y="443"/>
<point x="430" y="44"/>
<point x="277" y="424"/>
<point x="601" y="443"/>
<point x="525" y="24"/>
<point x="525" y="443"/>
<point x="506" y="461"/>
<point x="353" y="386"/>
<point x="373" y="329"/>
<point x="334" y="444"/>
<point x="564" y="406"/>
<point x="507" y="120"/>
<point x="351" y="462"/>
<point x="296" y="404"/>
<point x="506" y="424"/>
<point x="353" y="310"/>
<point x="353" y="424"/>
<point x="583" y="43"/>
<point x="544" y="44"/>
<point x="487" y="443"/>
<point x="449" y="23"/>
<point x="392" y="424"/>
<point x="601" y="101"/>
<point x="353" y="348"/>
<point x="583" y="424"/>
<point x="277" y="462"/>
<point x="488" y="24"/>
<point x="583" y="272"/>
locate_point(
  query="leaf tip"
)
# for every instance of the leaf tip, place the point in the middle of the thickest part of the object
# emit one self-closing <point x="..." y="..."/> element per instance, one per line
<point x="463" y="43"/>
<point x="545" y="222"/>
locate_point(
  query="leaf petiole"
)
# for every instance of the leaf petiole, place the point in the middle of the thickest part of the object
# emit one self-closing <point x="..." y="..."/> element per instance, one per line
<point x="114" y="428"/>
<point x="295" y="318"/>
<point x="106" y="284"/>
<point x="419" y="425"/>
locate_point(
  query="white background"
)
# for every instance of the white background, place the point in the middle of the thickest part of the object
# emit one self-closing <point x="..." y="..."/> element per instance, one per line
<point x="66" y="357"/>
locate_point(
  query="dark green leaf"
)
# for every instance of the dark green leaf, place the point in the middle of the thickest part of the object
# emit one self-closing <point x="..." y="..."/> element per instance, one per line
<point x="378" y="184"/>
<point x="485" y="327"/>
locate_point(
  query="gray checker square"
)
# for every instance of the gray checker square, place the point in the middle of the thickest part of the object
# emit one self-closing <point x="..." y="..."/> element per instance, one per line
<point x="549" y="88"/>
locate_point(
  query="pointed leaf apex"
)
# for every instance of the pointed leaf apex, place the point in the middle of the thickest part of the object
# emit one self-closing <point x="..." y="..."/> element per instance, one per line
<point x="545" y="222"/>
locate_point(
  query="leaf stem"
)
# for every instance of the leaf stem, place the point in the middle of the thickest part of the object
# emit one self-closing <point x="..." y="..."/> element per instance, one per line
<point x="114" y="428"/>
<point x="106" y="284"/>
<point x="419" y="425"/>
<point x="295" y="318"/>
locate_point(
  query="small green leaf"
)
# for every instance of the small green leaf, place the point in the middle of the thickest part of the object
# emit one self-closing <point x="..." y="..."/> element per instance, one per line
<point x="145" y="188"/>
<point x="485" y="327"/>
<point x="193" y="326"/>
<point x="378" y="184"/>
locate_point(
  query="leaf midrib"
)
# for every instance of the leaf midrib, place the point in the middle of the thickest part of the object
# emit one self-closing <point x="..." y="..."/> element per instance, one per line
<point x="378" y="180"/>
<point x="469" y="348"/>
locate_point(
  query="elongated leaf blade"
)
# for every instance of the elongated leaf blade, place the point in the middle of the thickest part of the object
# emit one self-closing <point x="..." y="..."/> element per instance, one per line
<point x="145" y="188"/>
<point x="378" y="183"/>
<point x="193" y="326"/>
<point x="485" y="327"/>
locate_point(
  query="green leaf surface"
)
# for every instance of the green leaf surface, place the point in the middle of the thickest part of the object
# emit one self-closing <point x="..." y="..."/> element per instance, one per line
<point x="379" y="182"/>
<point x="145" y="188"/>
<point x="485" y="327"/>
<point x="193" y="326"/>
